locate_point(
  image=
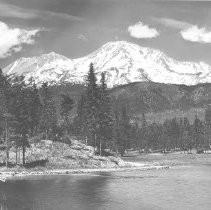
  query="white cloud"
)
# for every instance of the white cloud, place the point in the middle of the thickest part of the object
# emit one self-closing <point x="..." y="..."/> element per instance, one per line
<point x="195" y="34"/>
<point x="142" y="31"/>
<point x="188" y="31"/>
<point x="12" y="39"/>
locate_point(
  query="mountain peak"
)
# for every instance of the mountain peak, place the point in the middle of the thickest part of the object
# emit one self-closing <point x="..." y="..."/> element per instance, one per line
<point x="122" y="61"/>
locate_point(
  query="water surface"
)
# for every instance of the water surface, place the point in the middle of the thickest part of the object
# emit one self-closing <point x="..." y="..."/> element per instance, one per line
<point x="181" y="187"/>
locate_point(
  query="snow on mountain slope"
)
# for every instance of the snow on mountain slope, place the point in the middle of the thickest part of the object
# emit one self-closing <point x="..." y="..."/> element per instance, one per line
<point x="122" y="61"/>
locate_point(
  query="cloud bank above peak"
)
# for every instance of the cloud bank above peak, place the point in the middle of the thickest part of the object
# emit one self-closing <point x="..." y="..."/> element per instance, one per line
<point x="12" y="39"/>
<point x="196" y="34"/>
<point x="142" y="31"/>
<point x="188" y="31"/>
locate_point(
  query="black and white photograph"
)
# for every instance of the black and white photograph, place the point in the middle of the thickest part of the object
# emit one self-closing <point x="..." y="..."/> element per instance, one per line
<point x="105" y="105"/>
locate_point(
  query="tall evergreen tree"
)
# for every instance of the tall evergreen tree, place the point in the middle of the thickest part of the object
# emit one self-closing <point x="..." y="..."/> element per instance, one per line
<point x="48" y="117"/>
<point x="105" y="115"/>
<point x="3" y="108"/>
<point x="198" y="132"/>
<point x="5" y="90"/>
<point x="185" y="140"/>
<point x="144" y="132"/>
<point x="208" y="116"/>
<point x="35" y="107"/>
<point x="207" y="127"/>
<point x="92" y="106"/>
<point x="66" y="106"/>
<point x="166" y="143"/>
<point x="80" y="124"/>
<point x="21" y="111"/>
<point x="123" y="130"/>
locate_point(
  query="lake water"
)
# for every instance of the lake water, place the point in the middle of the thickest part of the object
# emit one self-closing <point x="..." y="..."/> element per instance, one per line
<point x="180" y="187"/>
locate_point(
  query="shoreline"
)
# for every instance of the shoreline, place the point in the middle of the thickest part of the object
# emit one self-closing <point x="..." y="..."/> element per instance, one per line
<point x="130" y="166"/>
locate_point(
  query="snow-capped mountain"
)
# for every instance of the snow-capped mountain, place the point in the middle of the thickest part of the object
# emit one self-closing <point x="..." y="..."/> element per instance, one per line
<point x="123" y="63"/>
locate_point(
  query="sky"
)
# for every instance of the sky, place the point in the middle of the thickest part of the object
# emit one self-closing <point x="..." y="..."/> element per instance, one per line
<point x="75" y="28"/>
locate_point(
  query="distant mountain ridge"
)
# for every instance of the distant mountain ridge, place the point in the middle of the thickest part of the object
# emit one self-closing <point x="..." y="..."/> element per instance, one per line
<point x="123" y="62"/>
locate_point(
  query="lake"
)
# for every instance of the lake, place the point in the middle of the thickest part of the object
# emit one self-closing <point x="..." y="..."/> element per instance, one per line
<point x="183" y="186"/>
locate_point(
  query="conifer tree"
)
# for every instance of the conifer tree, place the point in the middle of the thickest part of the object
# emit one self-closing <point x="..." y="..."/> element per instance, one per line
<point x="80" y="124"/>
<point x="208" y="127"/>
<point x="208" y="116"/>
<point x="144" y="133"/>
<point x="3" y="102"/>
<point x="124" y="128"/>
<point x="198" y="132"/>
<point x="66" y="106"/>
<point x="174" y="133"/>
<point x="5" y="116"/>
<point x="92" y="106"/>
<point x="105" y="115"/>
<point x="166" y="136"/>
<point x="35" y="109"/>
<point x="118" y="134"/>
<point x="48" y="117"/>
<point x="21" y="111"/>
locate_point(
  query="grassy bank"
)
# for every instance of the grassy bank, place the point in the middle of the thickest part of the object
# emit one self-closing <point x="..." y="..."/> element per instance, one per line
<point x="170" y="159"/>
<point x="49" y="155"/>
<point x="55" y="158"/>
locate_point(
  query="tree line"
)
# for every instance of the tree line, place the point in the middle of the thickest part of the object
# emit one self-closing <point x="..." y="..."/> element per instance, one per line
<point x="107" y="124"/>
<point x="28" y="113"/>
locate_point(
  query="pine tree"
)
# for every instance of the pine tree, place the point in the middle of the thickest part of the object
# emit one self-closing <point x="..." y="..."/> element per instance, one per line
<point x="66" y="106"/>
<point x="166" y="136"/>
<point x="105" y="115"/>
<point x="156" y="136"/>
<point x="208" y="116"/>
<point x="3" y="122"/>
<point x="48" y="117"/>
<point x="207" y="127"/>
<point x="4" y="113"/>
<point x="124" y="127"/>
<point x="118" y="136"/>
<point x="35" y="109"/>
<point x="80" y="124"/>
<point x="198" y="132"/>
<point x="92" y="106"/>
<point x="144" y="133"/>
<point x="134" y="135"/>
<point x="174" y="133"/>
<point x="21" y="112"/>
<point x="3" y="108"/>
<point x="185" y="134"/>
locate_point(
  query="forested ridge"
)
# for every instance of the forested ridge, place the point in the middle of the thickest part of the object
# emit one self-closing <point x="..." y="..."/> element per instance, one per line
<point x="109" y="120"/>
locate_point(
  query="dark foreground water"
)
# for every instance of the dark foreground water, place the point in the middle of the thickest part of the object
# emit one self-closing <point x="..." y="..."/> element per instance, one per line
<point x="181" y="187"/>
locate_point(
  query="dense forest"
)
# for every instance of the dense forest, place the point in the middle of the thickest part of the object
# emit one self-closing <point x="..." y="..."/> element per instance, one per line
<point x="29" y="113"/>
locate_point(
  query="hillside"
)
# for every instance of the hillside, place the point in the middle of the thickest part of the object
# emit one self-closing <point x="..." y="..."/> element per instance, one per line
<point x="164" y="101"/>
<point x="58" y="155"/>
<point x="159" y="97"/>
<point x="159" y="101"/>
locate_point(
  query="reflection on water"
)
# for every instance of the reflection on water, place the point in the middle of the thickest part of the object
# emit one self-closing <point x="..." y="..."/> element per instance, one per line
<point x="55" y="192"/>
<point x="182" y="187"/>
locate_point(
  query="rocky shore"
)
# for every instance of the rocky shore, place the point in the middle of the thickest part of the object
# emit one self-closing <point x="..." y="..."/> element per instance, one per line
<point x="129" y="166"/>
<point x="55" y="158"/>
